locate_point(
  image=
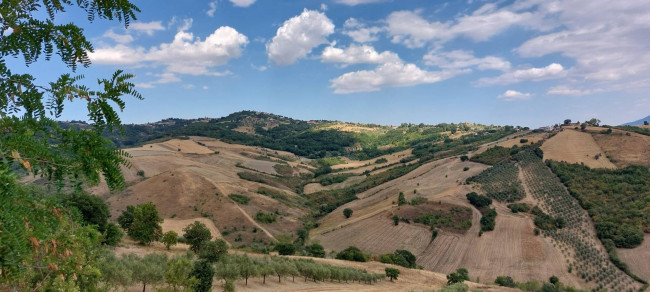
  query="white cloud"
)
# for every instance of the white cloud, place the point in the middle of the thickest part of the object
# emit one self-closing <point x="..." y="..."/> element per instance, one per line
<point x="387" y="75"/>
<point x="147" y="27"/>
<point x="460" y="59"/>
<point x="357" y="2"/>
<point x="551" y="71"/>
<point x="298" y="36"/>
<point x="412" y="30"/>
<point x="242" y="3"/>
<point x="511" y="95"/>
<point x="259" y="68"/>
<point x="186" y="54"/>
<point x="357" y="54"/>
<point x="323" y="7"/>
<point x="565" y="90"/>
<point x="118" y="38"/>
<point x="205" y="87"/>
<point x="162" y="79"/>
<point x="213" y="8"/>
<point x="359" y="32"/>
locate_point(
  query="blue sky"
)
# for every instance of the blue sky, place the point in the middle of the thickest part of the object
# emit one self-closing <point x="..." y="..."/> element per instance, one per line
<point x="524" y="62"/>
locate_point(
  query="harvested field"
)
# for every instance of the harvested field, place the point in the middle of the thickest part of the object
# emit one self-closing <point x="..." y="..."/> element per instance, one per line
<point x="576" y="147"/>
<point x="391" y="158"/>
<point x="317" y="187"/>
<point x="638" y="258"/>
<point x="261" y="166"/>
<point x="378" y="235"/>
<point x="625" y="148"/>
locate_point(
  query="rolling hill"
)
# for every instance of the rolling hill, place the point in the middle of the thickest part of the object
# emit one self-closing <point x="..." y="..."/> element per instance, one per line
<point x="637" y="122"/>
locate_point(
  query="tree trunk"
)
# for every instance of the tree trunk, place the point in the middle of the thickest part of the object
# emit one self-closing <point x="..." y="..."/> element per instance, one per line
<point x="279" y="278"/>
<point x="264" y="282"/>
<point x="144" y="286"/>
<point x="246" y="281"/>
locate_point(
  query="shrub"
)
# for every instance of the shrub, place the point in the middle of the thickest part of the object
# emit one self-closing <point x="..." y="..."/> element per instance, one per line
<point x="241" y="199"/>
<point x="479" y="201"/>
<point x="285" y="248"/>
<point x="381" y="160"/>
<point x="400" y="199"/>
<point x="505" y="281"/>
<point x="347" y="212"/>
<point x="267" y="218"/>
<point x="465" y="168"/>
<point x="488" y="220"/>
<point x="457" y="287"/>
<point x="523" y="141"/>
<point x="464" y="158"/>
<point x="352" y="253"/>
<point x="519" y="207"/>
<point x="316" y="250"/>
<point x="458" y="277"/>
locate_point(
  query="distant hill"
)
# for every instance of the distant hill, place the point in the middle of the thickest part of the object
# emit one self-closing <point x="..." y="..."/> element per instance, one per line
<point x="311" y="139"/>
<point x="637" y="122"/>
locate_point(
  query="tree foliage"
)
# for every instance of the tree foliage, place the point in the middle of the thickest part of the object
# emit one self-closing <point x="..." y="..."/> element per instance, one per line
<point x="195" y="234"/>
<point x="392" y="273"/>
<point x="213" y="251"/>
<point x="169" y="238"/>
<point x="145" y="227"/>
<point x="347" y="212"/>
<point x="459" y="276"/>
<point x="352" y="253"/>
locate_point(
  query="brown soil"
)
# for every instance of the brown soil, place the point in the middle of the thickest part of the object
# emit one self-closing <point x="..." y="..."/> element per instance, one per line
<point x="317" y="187"/>
<point x="638" y="258"/>
<point x="624" y="148"/>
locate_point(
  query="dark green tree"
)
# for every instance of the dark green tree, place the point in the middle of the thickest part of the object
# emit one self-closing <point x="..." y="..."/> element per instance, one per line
<point x="146" y="224"/>
<point x="458" y="277"/>
<point x="316" y="250"/>
<point x="347" y="212"/>
<point x="92" y="209"/>
<point x="285" y="248"/>
<point x="352" y="253"/>
<point x="400" y="199"/>
<point x="392" y="273"/>
<point x="169" y="238"/>
<point x="203" y="271"/>
<point x="507" y="281"/>
<point x="126" y="218"/>
<point x="195" y="234"/>
<point x="112" y="235"/>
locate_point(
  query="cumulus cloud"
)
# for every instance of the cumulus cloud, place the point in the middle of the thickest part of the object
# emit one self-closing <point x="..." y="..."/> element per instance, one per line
<point x="298" y="36"/>
<point x="186" y="54"/>
<point x="242" y="3"/>
<point x="533" y="74"/>
<point x="147" y="27"/>
<point x="161" y="79"/>
<point x="213" y="8"/>
<point x="412" y="30"/>
<point x="460" y="59"/>
<point x="357" y="54"/>
<point x="360" y="32"/>
<point x="357" y="2"/>
<point x="512" y="95"/>
<point x="394" y="74"/>
<point x="565" y="90"/>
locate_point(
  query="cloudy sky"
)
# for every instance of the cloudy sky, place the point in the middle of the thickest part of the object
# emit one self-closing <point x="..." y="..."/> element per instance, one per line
<point x="523" y="62"/>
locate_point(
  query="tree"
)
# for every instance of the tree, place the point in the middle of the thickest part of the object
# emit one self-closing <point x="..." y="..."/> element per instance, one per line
<point x="347" y="212"/>
<point x="195" y="234"/>
<point x="458" y="277"/>
<point x="645" y="123"/>
<point x="203" y="272"/>
<point x="285" y="248"/>
<point x="148" y="270"/>
<point x="115" y="272"/>
<point x="554" y="280"/>
<point x="400" y="199"/>
<point x="567" y="121"/>
<point x="112" y="235"/>
<point x="281" y="268"/>
<point x="583" y="126"/>
<point x="247" y="268"/>
<point x="392" y="273"/>
<point x="507" y="281"/>
<point x="352" y="253"/>
<point x="408" y="257"/>
<point x="316" y="250"/>
<point x="34" y="141"/>
<point x="92" y="209"/>
<point x="178" y="273"/>
<point x="126" y="219"/>
<point x="170" y="238"/>
<point x="213" y="251"/>
<point x="395" y="220"/>
<point x="145" y="227"/>
<point x="593" y="122"/>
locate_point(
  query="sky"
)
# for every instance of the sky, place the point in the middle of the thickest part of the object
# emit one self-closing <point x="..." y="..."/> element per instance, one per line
<point x="523" y="62"/>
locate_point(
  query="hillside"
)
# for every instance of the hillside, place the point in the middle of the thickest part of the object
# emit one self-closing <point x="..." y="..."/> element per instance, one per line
<point x="228" y="185"/>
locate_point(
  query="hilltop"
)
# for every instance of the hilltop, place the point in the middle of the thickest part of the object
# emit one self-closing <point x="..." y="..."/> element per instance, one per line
<point x="638" y="122"/>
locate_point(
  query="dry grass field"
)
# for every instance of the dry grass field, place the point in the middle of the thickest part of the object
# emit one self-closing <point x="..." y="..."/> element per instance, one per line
<point x="317" y="187"/>
<point x="516" y="140"/>
<point x="638" y="258"/>
<point x="624" y="148"/>
<point x="576" y="147"/>
<point x="370" y="164"/>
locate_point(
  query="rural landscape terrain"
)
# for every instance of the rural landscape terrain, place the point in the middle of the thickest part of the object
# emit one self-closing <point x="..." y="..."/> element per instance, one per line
<point x="257" y="201"/>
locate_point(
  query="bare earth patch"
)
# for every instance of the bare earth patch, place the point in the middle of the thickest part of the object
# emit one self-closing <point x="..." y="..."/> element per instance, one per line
<point x="638" y="258"/>
<point x="625" y="148"/>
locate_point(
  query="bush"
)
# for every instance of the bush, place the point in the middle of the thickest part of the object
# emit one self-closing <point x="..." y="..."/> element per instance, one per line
<point x="519" y="207"/>
<point x="267" y="218"/>
<point x="505" y="281"/>
<point x="92" y="209"/>
<point x="464" y="158"/>
<point x="402" y="258"/>
<point x="488" y="220"/>
<point x="316" y="250"/>
<point x="523" y="141"/>
<point x="458" y="287"/>
<point x="352" y="253"/>
<point x="465" y="168"/>
<point x="241" y="199"/>
<point x="400" y="199"/>
<point x="477" y="200"/>
<point x="285" y="248"/>
<point x="381" y="160"/>
<point x="458" y="277"/>
<point x="112" y="235"/>
<point x="347" y="212"/>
